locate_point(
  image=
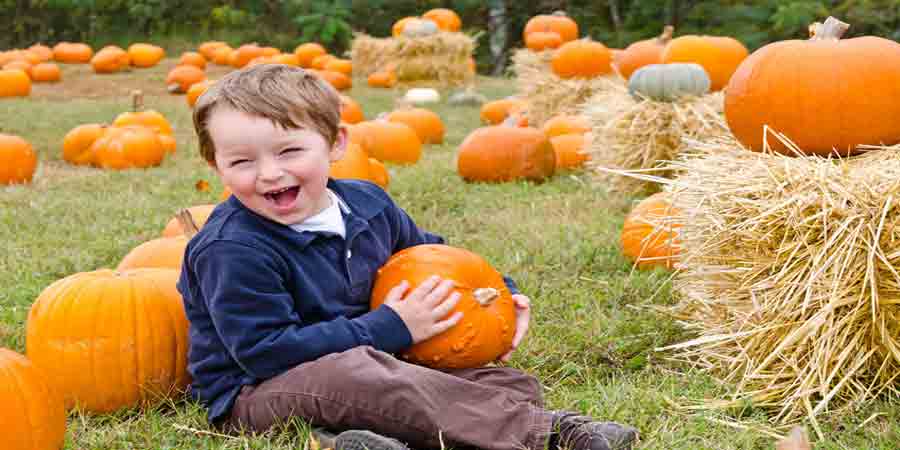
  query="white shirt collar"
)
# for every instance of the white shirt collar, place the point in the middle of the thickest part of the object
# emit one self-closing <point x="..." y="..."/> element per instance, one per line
<point x="329" y="220"/>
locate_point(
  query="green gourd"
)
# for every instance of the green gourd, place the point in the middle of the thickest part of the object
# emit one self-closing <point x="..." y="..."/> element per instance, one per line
<point x="417" y="28"/>
<point x="668" y="82"/>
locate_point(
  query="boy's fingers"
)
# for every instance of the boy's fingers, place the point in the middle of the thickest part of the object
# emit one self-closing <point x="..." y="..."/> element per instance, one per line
<point x="396" y="292"/>
<point x="444" y="325"/>
<point x="441" y="310"/>
<point x="425" y="287"/>
<point x="439" y="293"/>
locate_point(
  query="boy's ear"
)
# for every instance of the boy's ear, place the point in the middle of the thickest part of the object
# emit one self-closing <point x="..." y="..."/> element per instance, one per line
<point x="340" y="144"/>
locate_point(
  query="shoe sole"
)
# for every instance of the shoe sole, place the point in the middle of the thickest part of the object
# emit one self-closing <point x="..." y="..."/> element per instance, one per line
<point x="366" y="440"/>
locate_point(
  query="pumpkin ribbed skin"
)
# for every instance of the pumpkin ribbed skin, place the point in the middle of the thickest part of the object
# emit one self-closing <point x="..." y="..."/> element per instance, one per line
<point x="503" y="153"/>
<point x="131" y="335"/>
<point x="110" y="59"/>
<point x="642" y="53"/>
<point x="581" y="59"/>
<point x="20" y="64"/>
<point x="542" y="40"/>
<point x="387" y="141"/>
<point x="46" y="73"/>
<point x="718" y="55"/>
<point x="822" y="94"/>
<point x="160" y="253"/>
<point x="222" y="54"/>
<point x="44" y="53"/>
<point x="208" y="48"/>
<point x="18" y="160"/>
<point x="192" y="59"/>
<point x="568" y="149"/>
<point x="668" y="82"/>
<point x="307" y="52"/>
<point x="646" y="238"/>
<point x="78" y="141"/>
<point x="31" y="413"/>
<point x="181" y="78"/>
<point x="485" y="331"/>
<point x="128" y="147"/>
<point x="149" y="118"/>
<point x="351" y="112"/>
<point x="427" y="124"/>
<point x="14" y="83"/>
<point x="72" y="53"/>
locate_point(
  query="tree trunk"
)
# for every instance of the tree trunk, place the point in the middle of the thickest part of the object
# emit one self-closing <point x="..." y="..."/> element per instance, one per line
<point x="498" y="29"/>
<point x="614" y="15"/>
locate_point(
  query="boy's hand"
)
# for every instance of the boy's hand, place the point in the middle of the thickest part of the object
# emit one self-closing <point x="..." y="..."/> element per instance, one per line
<point x="523" y="316"/>
<point x="424" y="309"/>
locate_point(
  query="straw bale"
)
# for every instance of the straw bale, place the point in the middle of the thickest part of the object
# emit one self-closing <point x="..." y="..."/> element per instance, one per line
<point x="442" y="57"/>
<point x="525" y="62"/>
<point x="548" y="95"/>
<point x="789" y="275"/>
<point x="642" y="135"/>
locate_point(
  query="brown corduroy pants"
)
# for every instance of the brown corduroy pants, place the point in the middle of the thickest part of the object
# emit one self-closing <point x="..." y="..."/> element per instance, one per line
<point x="492" y="408"/>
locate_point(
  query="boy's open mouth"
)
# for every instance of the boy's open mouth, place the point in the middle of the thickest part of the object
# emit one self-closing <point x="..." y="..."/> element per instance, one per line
<point x="283" y="197"/>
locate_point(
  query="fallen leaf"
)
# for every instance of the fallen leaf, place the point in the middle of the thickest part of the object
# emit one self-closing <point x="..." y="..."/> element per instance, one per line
<point x="202" y="186"/>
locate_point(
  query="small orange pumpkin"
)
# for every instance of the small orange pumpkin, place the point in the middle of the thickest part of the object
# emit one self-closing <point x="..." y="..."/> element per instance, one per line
<point x="642" y="53"/>
<point x="33" y="415"/>
<point x="307" y="52"/>
<point x="42" y="51"/>
<point x="208" y="48"/>
<point x="46" y="73"/>
<point x="181" y="78"/>
<point x="382" y="79"/>
<point x="446" y="19"/>
<point x="222" y="54"/>
<point x="192" y="59"/>
<point x="241" y="56"/>
<point x="351" y="112"/>
<point x="131" y="331"/>
<point x="14" y="83"/>
<point x="566" y="124"/>
<point x="648" y="237"/>
<point x="495" y="112"/>
<point x="338" y="80"/>
<point x="148" y="118"/>
<point x="78" y="141"/>
<point x="110" y="59"/>
<point x="319" y="62"/>
<point x="379" y="173"/>
<point x="198" y="214"/>
<point x="196" y="90"/>
<point x="488" y="314"/>
<point x="145" y="55"/>
<point x="387" y="141"/>
<point x="502" y="153"/>
<point x="427" y="124"/>
<point x="19" y="64"/>
<point x="582" y="58"/>
<point x="718" y="55"/>
<point x="568" y="149"/>
<point x="72" y="53"/>
<point x="19" y="160"/>
<point x="558" y="23"/>
<point x="344" y="66"/>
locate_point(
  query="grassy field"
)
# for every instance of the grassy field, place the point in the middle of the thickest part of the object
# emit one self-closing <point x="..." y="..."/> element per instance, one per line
<point x="594" y="325"/>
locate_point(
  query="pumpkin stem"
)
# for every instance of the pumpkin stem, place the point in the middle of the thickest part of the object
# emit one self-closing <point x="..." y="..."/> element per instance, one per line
<point x="186" y="220"/>
<point x="137" y="100"/>
<point x="666" y="35"/>
<point x="486" y="296"/>
<point x="832" y="29"/>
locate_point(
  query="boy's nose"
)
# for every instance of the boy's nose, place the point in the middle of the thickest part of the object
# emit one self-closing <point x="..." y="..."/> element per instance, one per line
<point x="270" y="171"/>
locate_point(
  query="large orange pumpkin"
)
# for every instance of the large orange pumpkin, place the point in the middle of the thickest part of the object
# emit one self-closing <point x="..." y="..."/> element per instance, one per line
<point x="20" y="64"/>
<point x="31" y="413"/>
<point x="582" y="58"/>
<point x="427" y="124"/>
<point x="826" y="94"/>
<point x="128" y="147"/>
<point x="387" y="141"/>
<point x="78" y="141"/>
<point x="649" y="238"/>
<point x="353" y="165"/>
<point x="718" y="55"/>
<point x="160" y="253"/>
<point x="446" y="19"/>
<point x="489" y="317"/>
<point x="148" y="118"/>
<point x="131" y="335"/>
<point x="557" y="22"/>
<point x="642" y="53"/>
<point x="18" y="160"/>
<point x="502" y="153"/>
<point x="145" y="55"/>
<point x="14" y="83"/>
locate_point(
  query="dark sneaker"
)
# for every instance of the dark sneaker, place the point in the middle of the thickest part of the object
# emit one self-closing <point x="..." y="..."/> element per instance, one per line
<point x="366" y="440"/>
<point x="576" y="432"/>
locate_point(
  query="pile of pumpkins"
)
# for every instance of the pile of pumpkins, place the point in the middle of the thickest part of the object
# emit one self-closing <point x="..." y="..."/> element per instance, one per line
<point x="20" y="67"/>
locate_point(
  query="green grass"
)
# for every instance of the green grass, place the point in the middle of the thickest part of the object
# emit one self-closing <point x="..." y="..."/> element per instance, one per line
<point x="594" y="325"/>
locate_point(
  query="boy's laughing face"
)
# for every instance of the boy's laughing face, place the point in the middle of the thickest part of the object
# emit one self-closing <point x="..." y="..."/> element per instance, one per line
<point x="278" y="173"/>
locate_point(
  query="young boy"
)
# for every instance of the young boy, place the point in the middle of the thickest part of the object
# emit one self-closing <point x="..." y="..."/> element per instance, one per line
<point x="276" y="287"/>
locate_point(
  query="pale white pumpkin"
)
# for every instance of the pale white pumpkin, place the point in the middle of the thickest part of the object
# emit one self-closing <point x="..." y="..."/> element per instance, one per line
<point x="421" y="96"/>
<point x="668" y="82"/>
<point x="417" y="28"/>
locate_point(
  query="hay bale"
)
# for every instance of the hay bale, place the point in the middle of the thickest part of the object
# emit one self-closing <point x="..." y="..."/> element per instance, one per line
<point x="442" y="57"/>
<point x="547" y="94"/>
<point x="643" y="135"/>
<point x="790" y="276"/>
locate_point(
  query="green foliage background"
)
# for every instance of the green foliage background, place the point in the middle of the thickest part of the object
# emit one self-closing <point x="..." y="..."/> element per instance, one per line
<point x="286" y="23"/>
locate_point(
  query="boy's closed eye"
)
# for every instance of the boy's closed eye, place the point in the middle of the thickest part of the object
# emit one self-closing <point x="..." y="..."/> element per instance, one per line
<point x="237" y="162"/>
<point x="291" y="150"/>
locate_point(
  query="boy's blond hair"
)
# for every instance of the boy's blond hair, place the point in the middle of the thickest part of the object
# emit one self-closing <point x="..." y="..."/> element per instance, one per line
<point x="288" y="96"/>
